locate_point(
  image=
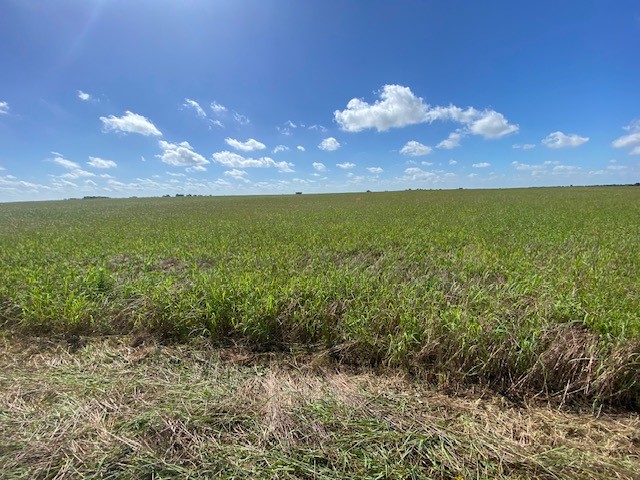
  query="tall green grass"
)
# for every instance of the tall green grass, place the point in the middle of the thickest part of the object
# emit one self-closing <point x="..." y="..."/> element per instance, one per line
<point x="536" y="288"/>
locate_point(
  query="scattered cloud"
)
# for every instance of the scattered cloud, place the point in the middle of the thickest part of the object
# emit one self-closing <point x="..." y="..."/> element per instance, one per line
<point x="248" y="146"/>
<point x="290" y="124"/>
<point x="560" y="140"/>
<point x="241" y="119"/>
<point x="217" y="108"/>
<point x="195" y="106"/>
<point x="631" y="140"/>
<point x="320" y="167"/>
<point x="280" y="148"/>
<point x="346" y="165"/>
<point x="318" y="128"/>
<point x="481" y="165"/>
<point x="565" y="169"/>
<point x="525" y="146"/>
<point x="453" y="162"/>
<point x="237" y="174"/>
<point x="130" y="123"/>
<point x="415" y="173"/>
<point x="375" y="170"/>
<point x="329" y="144"/>
<point x="97" y="162"/>
<point x="233" y="160"/>
<point x="84" y="96"/>
<point x="4" y="108"/>
<point x="180" y="155"/>
<point x="216" y="123"/>
<point x="452" y="141"/>
<point x="415" y="149"/>
<point x="398" y="107"/>
<point x="300" y="148"/>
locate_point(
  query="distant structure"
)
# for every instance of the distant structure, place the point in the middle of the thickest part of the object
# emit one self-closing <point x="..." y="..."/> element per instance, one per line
<point x="298" y="193"/>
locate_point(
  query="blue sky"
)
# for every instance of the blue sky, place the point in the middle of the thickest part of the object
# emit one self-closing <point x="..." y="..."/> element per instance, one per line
<point x="153" y="97"/>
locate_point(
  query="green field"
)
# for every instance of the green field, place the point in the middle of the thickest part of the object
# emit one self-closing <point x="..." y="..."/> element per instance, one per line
<point x="522" y="289"/>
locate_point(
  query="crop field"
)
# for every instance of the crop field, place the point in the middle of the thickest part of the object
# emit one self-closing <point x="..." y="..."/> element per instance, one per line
<point x="531" y="293"/>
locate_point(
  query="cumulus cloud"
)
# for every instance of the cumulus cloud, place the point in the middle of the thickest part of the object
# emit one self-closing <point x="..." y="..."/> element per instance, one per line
<point x="248" y="146"/>
<point x="481" y="165"/>
<point x="375" y="170"/>
<point x="415" y="149"/>
<point x="300" y="148"/>
<point x="399" y="107"/>
<point x="217" y="108"/>
<point x="180" y="154"/>
<point x="97" y="162"/>
<point x="345" y="165"/>
<point x="84" y="96"/>
<point x="130" y="123"/>
<point x="560" y="140"/>
<point x="233" y="160"/>
<point x="4" y="108"/>
<point x="320" y="167"/>
<point x="452" y="141"/>
<point x="526" y="146"/>
<point x="631" y="140"/>
<point x="280" y="148"/>
<point x="195" y="106"/>
<point x="329" y="144"/>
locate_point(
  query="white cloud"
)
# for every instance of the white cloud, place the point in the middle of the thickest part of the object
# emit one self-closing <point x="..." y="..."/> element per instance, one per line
<point x="196" y="106"/>
<point x="415" y="149"/>
<point x="565" y="169"/>
<point x="196" y="168"/>
<point x="280" y="148"/>
<point x="452" y="141"/>
<point x="540" y="167"/>
<point x="290" y="124"/>
<point x="616" y="167"/>
<point x="248" y="146"/>
<point x="77" y="173"/>
<point x="300" y="148"/>
<point x="241" y="119"/>
<point x="426" y="164"/>
<point x="64" y="163"/>
<point x="560" y="140"/>
<point x="631" y="140"/>
<point x="320" y="167"/>
<point x="345" y="165"/>
<point x="11" y="182"/>
<point x="491" y="124"/>
<point x="318" y="128"/>
<point x="453" y="162"/>
<point x="130" y="122"/>
<point x="217" y="108"/>
<point x="526" y="146"/>
<point x="84" y="96"/>
<point x="375" y="170"/>
<point x="415" y="173"/>
<point x="329" y="144"/>
<point x="481" y="165"/>
<point x="216" y="123"/>
<point x="180" y="155"/>
<point x="230" y="159"/>
<point x="97" y="162"/>
<point x="399" y="107"/>
<point x="4" y="108"/>
<point x="472" y="175"/>
<point x="90" y="183"/>
<point x="237" y="174"/>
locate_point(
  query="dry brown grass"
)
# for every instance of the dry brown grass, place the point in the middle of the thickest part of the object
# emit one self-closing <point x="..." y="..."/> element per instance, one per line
<point x="132" y="408"/>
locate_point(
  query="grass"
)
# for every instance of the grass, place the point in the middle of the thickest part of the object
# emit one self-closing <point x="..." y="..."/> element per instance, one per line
<point x="532" y="290"/>
<point x="112" y="410"/>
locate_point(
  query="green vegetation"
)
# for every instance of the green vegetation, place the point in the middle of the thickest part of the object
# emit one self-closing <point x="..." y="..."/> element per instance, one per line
<point x="533" y="290"/>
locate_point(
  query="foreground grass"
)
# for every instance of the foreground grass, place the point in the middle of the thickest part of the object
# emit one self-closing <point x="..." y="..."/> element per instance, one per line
<point x="525" y="290"/>
<point x="110" y="409"/>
